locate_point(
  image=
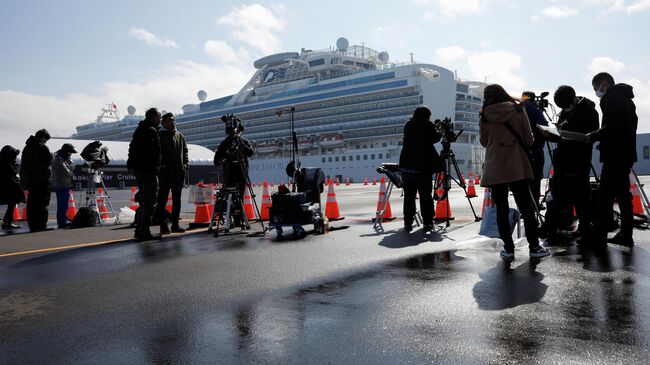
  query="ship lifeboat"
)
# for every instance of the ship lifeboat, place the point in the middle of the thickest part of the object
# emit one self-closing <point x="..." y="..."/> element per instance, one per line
<point x="328" y="140"/>
<point x="304" y="143"/>
<point x="266" y="147"/>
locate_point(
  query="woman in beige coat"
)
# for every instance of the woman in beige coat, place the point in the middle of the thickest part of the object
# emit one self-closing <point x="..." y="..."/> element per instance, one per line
<point x="507" y="166"/>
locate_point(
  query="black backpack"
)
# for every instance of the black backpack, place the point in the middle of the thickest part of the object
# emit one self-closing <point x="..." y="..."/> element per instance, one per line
<point x="85" y="218"/>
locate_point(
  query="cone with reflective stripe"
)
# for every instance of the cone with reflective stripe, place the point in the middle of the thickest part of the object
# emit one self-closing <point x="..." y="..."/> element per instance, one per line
<point x="101" y="207"/>
<point x="248" y="205"/>
<point x="374" y="181"/>
<point x="266" y="203"/>
<point x="637" y="206"/>
<point x="443" y="208"/>
<point x="347" y="182"/>
<point x="388" y="214"/>
<point x="332" y="206"/>
<point x="471" y="189"/>
<point x="365" y="181"/>
<point x="72" y="209"/>
<point x="16" y="213"/>
<point x="338" y="183"/>
<point x="202" y="214"/>
<point x="25" y="205"/>
<point x="487" y="200"/>
<point x="476" y="179"/>
<point x="168" y="207"/>
<point x="133" y="205"/>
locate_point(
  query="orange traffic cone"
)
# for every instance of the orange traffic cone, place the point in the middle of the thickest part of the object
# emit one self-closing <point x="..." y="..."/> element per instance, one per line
<point x="347" y="182"/>
<point x="388" y="214"/>
<point x="266" y="203"/>
<point x="101" y="207"/>
<point x="202" y="214"/>
<point x="332" y="206"/>
<point x="16" y="213"/>
<point x="365" y="181"/>
<point x="133" y="205"/>
<point x="337" y="182"/>
<point x="25" y="205"/>
<point x="487" y="200"/>
<point x="168" y="207"/>
<point x="248" y="205"/>
<point x="272" y="183"/>
<point x="471" y="189"/>
<point x="477" y="180"/>
<point x="374" y="181"/>
<point x="443" y="209"/>
<point x="637" y="206"/>
<point x="72" y="209"/>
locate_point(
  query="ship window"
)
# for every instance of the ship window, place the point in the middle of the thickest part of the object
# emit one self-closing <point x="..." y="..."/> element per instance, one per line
<point x="372" y="157"/>
<point x="329" y="159"/>
<point x="336" y="159"/>
<point x="323" y="159"/>
<point x="365" y="157"/>
<point x="358" y="157"/>
<point x="343" y="158"/>
<point x="381" y="156"/>
<point x="387" y="155"/>
<point x="646" y="152"/>
<point x="384" y="144"/>
<point x="318" y="62"/>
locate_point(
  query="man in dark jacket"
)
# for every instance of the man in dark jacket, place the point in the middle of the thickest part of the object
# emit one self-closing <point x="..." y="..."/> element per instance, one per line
<point x="617" y="137"/>
<point x="418" y="161"/>
<point x="173" y="167"/>
<point x="535" y="117"/>
<point x="144" y="161"/>
<point x="35" y="172"/>
<point x="10" y="191"/>
<point x="232" y="155"/>
<point x="572" y="162"/>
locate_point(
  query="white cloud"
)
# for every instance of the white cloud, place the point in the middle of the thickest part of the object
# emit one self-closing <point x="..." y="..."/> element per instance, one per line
<point x="448" y="55"/>
<point x="497" y="67"/>
<point x="605" y="64"/>
<point x="223" y="52"/>
<point x="255" y="25"/>
<point x="453" y="7"/>
<point x="558" y="11"/>
<point x="621" y="5"/>
<point x="151" y="39"/>
<point x="638" y="6"/>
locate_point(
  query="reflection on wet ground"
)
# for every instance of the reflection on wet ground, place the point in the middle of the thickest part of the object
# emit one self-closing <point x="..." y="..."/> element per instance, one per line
<point x="448" y="307"/>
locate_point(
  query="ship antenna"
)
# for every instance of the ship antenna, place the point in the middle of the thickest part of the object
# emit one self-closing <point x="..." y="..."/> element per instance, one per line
<point x="412" y="60"/>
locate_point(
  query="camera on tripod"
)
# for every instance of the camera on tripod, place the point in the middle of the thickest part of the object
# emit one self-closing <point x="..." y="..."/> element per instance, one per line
<point x="540" y="101"/>
<point x="233" y="124"/>
<point x="95" y="155"/>
<point x="445" y="129"/>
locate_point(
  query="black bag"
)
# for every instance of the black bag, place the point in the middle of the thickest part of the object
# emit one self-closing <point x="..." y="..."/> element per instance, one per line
<point x="85" y="218"/>
<point x="527" y="150"/>
<point x="289" y="208"/>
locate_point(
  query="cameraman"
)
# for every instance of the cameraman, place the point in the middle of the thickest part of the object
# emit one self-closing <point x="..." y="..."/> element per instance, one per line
<point x="535" y="117"/>
<point x="572" y="161"/>
<point x="618" y="154"/>
<point x="232" y="155"/>
<point x="418" y="161"/>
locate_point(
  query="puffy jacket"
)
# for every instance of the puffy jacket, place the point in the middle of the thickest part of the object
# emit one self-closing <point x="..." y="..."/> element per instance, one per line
<point x="418" y="150"/>
<point x="574" y="157"/>
<point x="617" y="135"/>
<point x="62" y="170"/>
<point x="35" y="164"/>
<point x="144" y="150"/>
<point x="10" y="190"/>
<point x="505" y="160"/>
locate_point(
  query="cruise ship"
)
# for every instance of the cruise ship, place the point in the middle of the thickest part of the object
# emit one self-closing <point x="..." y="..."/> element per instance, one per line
<point x="350" y="102"/>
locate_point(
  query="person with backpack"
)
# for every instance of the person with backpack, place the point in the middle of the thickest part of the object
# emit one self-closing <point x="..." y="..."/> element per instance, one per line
<point x="62" y="172"/>
<point x="10" y="191"/>
<point x="506" y="134"/>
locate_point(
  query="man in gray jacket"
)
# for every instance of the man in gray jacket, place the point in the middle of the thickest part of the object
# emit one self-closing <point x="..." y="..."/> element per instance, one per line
<point x="62" y="172"/>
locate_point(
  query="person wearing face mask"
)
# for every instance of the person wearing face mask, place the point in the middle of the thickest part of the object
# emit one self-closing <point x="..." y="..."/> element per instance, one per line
<point x="173" y="168"/>
<point x="572" y="162"/>
<point x="144" y="162"/>
<point x="35" y="172"/>
<point x="62" y="172"/>
<point x="617" y="137"/>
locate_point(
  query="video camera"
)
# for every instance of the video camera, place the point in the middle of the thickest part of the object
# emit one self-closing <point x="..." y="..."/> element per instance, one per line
<point x="541" y="101"/>
<point x="95" y="155"/>
<point x="233" y="124"/>
<point x="445" y="128"/>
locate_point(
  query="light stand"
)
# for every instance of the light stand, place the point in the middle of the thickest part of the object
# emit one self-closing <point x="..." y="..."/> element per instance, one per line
<point x="294" y="144"/>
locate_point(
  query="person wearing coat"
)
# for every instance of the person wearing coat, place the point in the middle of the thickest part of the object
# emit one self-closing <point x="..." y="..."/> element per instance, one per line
<point x="418" y="161"/>
<point x="35" y="172"/>
<point x="62" y="172"/>
<point x="507" y="166"/>
<point x="10" y="191"/>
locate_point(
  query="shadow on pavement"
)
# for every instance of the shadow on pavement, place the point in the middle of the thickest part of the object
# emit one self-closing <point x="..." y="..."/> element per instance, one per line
<point x="502" y="287"/>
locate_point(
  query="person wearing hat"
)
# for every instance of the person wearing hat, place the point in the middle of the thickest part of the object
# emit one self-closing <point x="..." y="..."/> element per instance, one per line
<point x="572" y="163"/>
<point x="10" y="191"/>
<point x="62" y="172"/>
<point x="35" y="172"/>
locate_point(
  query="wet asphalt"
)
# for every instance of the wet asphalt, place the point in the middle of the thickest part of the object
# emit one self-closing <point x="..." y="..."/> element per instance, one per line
<point x="352" y="297"/>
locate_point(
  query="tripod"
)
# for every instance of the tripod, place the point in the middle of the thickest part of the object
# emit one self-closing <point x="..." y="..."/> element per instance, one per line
<point x="445" y="178"/>
<point x="394" y="179"/>
<point x="92" y="199"/>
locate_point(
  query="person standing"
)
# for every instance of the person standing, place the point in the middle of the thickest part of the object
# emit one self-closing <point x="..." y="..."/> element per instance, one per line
<point x="35" y="172"/>
<point x="505" y="133"/>
<point x="617" y="137"/>
<point x="10" y="191"/>
<point x="62" y="172"/>
<point x="144" y="161"/>
<point x="535" y="117"/>
<point x="173" y="168"/>
<point x="418" y="161"/>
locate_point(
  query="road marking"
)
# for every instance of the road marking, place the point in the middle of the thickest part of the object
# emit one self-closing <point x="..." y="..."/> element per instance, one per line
<point x="89" y="244"/>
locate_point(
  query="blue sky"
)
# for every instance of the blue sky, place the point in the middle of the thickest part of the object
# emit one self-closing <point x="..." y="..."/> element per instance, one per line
<point x="63" y="60"/>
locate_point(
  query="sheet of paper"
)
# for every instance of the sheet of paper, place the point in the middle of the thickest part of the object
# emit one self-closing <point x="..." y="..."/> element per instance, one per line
<point x="574" y="136"/>
<point x="551" y="129"/>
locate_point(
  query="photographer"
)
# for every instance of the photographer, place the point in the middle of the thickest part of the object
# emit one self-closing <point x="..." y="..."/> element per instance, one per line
<point x="35" y="172"/>
<point x="572" y="162"/>
<point x="617" y="138"/>
<point x="144" y="161"/>
<point x="418" y="161"/>
<point x="535" y="117"/>
<point x="232" y="155"/>
<point x="505" y="133"/>
<point x="10" y="191"/>
<point x="62" y="172"/>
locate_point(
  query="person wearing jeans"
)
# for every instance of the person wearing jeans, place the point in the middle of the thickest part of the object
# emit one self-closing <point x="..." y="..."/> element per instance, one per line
<point x="505" y="133"/>
<point x="62" y="172"/>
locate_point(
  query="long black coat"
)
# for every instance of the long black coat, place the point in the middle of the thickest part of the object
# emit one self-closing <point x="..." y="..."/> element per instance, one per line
<point x="10" y="190"/>
<point x="35" y="165"/>
<point x="234" y="167"/>
<point x="574" y="157"/>
<point x="418" y="151"/>
<point x="144" y="150"/>
<point x="174" y="158"/>
<point x="617" y="135"/>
